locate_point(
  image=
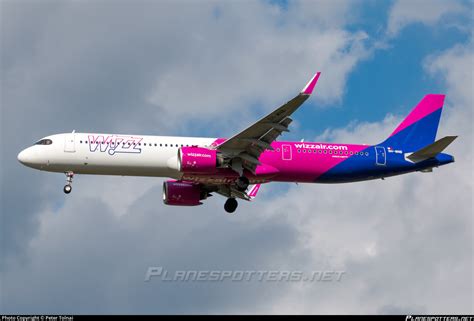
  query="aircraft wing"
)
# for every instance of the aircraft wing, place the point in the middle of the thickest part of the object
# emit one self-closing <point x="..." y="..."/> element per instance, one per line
<point x="247" y="145"/>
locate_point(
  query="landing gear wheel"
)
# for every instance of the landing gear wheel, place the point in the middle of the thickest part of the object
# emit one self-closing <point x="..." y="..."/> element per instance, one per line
<point x="242" y="183"/>
<point x="230" y="205"/>
<point x="68" y="187"/>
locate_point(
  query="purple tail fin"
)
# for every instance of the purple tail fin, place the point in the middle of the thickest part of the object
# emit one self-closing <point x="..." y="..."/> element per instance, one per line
<point x="419" y="128"/>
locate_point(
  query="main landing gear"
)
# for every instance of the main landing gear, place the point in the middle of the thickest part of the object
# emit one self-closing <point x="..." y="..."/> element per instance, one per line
<point x="242" y="183"/>
<point x="230" y="205"/>
<point x="68" y="187"/>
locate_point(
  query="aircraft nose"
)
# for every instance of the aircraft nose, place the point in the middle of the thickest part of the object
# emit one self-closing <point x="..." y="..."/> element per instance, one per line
<point x="25" y="157"/>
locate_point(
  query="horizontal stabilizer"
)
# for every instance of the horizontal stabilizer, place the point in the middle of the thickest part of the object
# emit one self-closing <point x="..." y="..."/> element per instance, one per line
<point x="431" y="150"/>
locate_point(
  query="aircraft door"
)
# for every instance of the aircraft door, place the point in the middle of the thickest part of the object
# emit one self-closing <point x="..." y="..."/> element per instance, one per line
<point x="380" y="155"/>
<point x="70" y="143"/>
<point x="286" y="152"/>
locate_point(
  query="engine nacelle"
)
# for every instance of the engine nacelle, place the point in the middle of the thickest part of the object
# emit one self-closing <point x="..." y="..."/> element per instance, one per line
<point x="197" y="160"/>
<point x="181" y="193"/>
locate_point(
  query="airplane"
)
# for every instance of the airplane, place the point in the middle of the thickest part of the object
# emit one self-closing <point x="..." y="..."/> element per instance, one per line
<point x="237" y="166"/>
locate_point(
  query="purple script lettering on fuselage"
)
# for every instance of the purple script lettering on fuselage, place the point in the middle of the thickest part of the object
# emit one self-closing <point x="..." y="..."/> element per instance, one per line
<point x="115" y="144"/>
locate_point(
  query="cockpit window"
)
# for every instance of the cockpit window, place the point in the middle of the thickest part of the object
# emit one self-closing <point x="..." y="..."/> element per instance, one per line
<point x="44" y="142"/>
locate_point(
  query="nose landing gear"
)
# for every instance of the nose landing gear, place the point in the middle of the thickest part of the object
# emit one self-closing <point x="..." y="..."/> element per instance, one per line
<point x="230" y="205"/>
<point x="68" y="187"/>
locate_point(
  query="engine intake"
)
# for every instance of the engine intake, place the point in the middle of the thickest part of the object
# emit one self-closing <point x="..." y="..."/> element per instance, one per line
<point x="181" y="193"/>
<point x="197" y="160"/>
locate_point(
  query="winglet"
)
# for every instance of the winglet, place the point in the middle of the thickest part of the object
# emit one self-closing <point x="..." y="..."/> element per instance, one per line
<point x="308" y="89"/>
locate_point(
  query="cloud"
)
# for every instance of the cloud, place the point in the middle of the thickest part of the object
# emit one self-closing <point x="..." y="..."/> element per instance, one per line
<point x="238" y="66"/>
<point x="362" y="132"/>
<point x="182" y="63"/>
<point x="453" y="66"/>
<point x="405" y="12"/>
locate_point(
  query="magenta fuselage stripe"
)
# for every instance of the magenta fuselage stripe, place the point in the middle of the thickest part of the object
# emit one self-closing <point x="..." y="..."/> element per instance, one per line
<point x="427" y="106"/>
<point x="290" y="162"/>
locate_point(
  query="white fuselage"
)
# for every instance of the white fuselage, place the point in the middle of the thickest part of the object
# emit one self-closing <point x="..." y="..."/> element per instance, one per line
<point x="110" y="154"/>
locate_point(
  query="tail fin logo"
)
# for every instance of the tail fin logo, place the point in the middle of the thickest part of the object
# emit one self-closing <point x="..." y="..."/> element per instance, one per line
<point x="419" y="128"/>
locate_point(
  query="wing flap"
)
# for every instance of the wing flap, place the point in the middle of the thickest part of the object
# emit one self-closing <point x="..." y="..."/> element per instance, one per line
<point x="253" y="190"/>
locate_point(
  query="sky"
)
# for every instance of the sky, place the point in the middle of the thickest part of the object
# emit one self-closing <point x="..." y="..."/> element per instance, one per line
<point x="211" y="68"/>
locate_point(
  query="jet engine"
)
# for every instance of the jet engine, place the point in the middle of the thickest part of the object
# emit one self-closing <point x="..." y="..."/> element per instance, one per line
<point x="182" y="193"/>
<point x="198" y="160"/>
